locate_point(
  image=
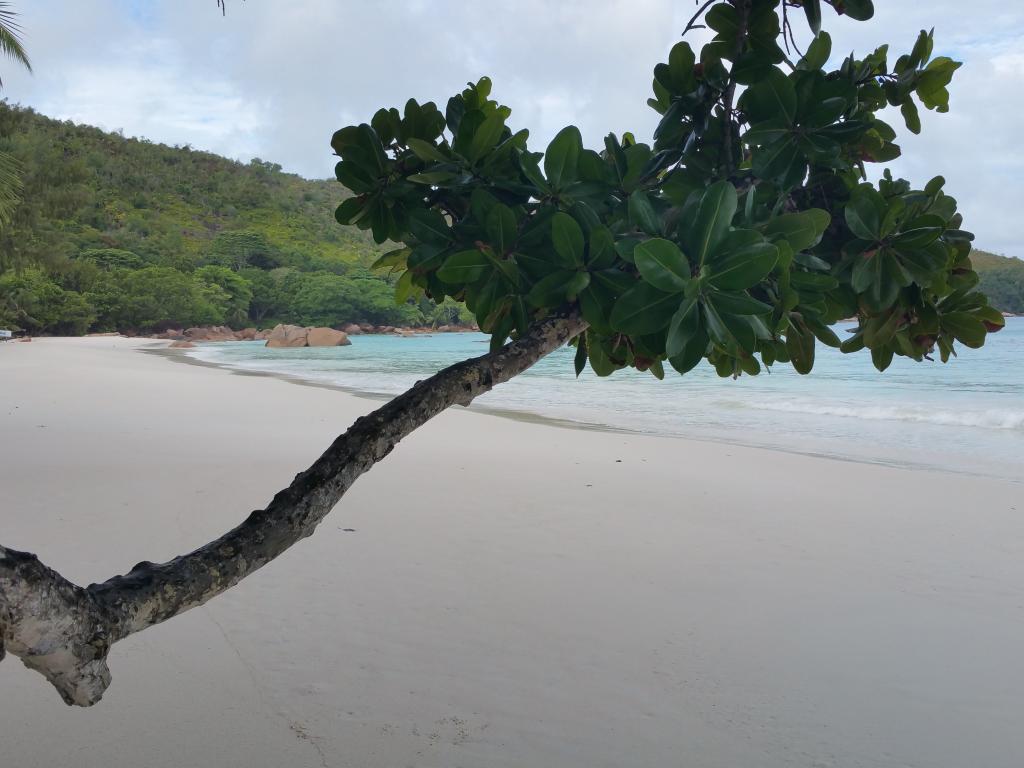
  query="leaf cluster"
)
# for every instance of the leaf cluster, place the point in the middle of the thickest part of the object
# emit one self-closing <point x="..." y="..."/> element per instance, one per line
<point x="739" y="235"/>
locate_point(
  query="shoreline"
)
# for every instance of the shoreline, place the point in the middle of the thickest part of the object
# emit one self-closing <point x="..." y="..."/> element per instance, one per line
<point x="184" y="356"/>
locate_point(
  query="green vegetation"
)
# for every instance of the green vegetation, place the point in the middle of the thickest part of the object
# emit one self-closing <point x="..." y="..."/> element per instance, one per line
<point x="738" y="236"/>
<point x="122" y="234"/>
<point x="11" y="46"/>
<point x="1002" y="280"/>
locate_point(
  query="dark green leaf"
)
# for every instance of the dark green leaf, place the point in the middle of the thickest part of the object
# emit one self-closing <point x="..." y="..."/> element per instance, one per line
<point x="562" y="157"/>
<point x="864" y="213"/>
<point x="742" y="265"/>
<point x="567" y="238"/>
<point x="642" y="215"/>
<point x="429" y="226"/>
<point x="643" y="309"/>
<point x="965" y="327"/>
<point x="427" y="151"/>
<point x="662" y="264"/>
<point x="802" y="230"/>
<point x="685" y="324"/>
<point x="464" y="267"/>
<point x="812" y="8"/>
<point x="713" y="219"/>
<point x="738" y="303"/>
<point x="773" y="98"/>
<point x="501" y="228"/>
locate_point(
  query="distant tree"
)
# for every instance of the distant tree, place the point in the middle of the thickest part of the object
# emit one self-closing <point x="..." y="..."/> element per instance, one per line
<point x="31" y="301"/>
<point x="266" y="294"/>
<point x="112" y="258"/>
<point x="737" y="238"/>
<point x="160" y="297"/>
<point x="238" y="250"/>
<point x="237" y="289"/>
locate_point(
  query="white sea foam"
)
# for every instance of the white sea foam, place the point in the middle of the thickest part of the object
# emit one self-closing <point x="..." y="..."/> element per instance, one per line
<point x="986" y="419"/>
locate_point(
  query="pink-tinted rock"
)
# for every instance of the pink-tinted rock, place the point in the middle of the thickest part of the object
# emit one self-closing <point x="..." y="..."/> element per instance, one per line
<point x="182" y="344"/>
<point x="326" y="337"/>
<point x="287" y="336"/>
<point x="352" y="329"/>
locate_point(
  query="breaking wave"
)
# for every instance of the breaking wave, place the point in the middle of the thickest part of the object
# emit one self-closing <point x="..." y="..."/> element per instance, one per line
<point x="984" y="419"/>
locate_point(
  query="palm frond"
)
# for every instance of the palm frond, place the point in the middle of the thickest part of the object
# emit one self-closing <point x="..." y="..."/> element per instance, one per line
<point x="10" y="37"/>
<point x="10" y="187"/>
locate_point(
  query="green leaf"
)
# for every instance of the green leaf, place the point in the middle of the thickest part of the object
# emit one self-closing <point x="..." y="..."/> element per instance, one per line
<point x="685" y="324"/>
<point x="395" y="258"/>
<point x="731" y="332"/>
<point x="738" y="303"/>
<point x="818" y="51"/>
<point x="576" y="285"/>
<point x="552" y="290"/>
<point x="643" y="309"/>
<point x="751" y="67"/>
<point x="692" y="353"/>
<point x="823" y="333"/>
<point x="433" y="178"/>
<point x="464" y="267"/>
<point x="567" y="237"/>
<point x="864" y="213"/>
<point x="562" y="157"/>
<point x="773" y="98"/>
<point x="662" y="264"/>
<point x="642" y="215"/>
<point x="800" y="346"/>
<point x="767" y="132"/>
<point x="911" y="116"/>
<point x="429" y="226"/>
<point x="352" y="210"/>
<point x="501" y="228"/>
<point x="580" y="361"/>
<point x="780" y="161"/>
<point x="427" y="151"/>
<point x="965" y="327"/>
<point x="812" y="8"/>
<point x="486" y="137"/>
<point x="802" y="230"/>
<point x="599" y="360"/>
<point x="712" y="221"/>
<point x="743" y="262"/>
<point x="601" y="254"/>
<point x="404" y="288"/>
<point x="861" y="10"/>
<point x="881" y="357"/>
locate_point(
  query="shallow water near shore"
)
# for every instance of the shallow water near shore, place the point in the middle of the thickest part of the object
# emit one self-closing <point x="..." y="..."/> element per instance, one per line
<point x="965" y="416"/>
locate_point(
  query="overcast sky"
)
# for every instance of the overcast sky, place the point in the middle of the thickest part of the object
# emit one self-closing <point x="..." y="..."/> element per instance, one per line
<point x="275" y="78"/>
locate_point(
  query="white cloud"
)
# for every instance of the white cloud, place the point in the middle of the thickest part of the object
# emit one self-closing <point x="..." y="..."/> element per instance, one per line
<point x="158" y="98"/>
<point x="275" y="79"/>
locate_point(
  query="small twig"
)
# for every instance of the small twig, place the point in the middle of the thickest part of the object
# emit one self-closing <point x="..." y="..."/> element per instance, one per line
<point x="690" y="24"/>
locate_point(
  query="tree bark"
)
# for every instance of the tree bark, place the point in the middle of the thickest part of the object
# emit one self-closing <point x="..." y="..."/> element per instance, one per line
<point x="65" y="631"/>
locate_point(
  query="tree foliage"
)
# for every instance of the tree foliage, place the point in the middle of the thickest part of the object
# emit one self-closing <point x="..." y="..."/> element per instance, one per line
<point x="98" y="207"/>
<point x="738" y="235"/>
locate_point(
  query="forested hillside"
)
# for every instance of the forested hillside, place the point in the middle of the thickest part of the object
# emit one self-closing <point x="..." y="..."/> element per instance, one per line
<point x="1002" y="280"/>
<point x="123" y="234"/>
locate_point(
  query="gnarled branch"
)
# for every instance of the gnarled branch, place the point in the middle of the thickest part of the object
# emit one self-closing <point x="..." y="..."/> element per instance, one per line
<point x="65" y="631"/>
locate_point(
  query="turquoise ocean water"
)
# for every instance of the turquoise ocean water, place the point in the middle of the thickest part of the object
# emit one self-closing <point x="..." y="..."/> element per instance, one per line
<point x="966" y="416"/>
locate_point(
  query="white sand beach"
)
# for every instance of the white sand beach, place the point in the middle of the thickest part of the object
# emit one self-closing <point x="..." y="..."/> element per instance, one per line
<point x="509" y="594"/>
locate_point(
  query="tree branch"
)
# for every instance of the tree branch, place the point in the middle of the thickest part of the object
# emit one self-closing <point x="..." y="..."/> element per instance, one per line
<point x="65" y="631"/>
